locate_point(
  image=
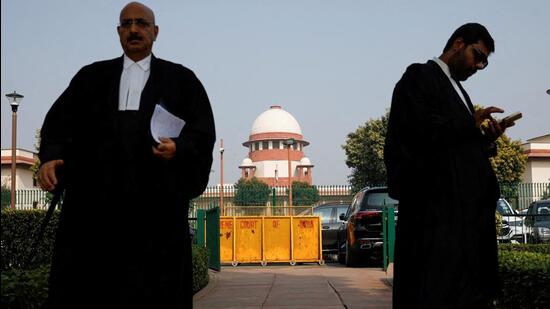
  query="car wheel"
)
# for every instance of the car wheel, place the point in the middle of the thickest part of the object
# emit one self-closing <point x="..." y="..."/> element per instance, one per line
<point x="351" y="258"/>
<point x="341" y="255"/>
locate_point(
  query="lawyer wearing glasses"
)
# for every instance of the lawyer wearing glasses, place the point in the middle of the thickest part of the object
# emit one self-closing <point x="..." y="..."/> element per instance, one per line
<point x="446" y="248"/>
<point x="123" y="240"/>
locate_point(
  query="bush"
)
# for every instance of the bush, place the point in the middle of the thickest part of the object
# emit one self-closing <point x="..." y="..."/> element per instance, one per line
<point x="19" y="229"/>
<point x="200" y="268"/>
<point x="24" y="288"/>
<point x="253" y="192"/>
<point x="304" y="194"/>
<point x="525" y="273"/>
<point x="536" y="248"/>
<point x="25" y="284"/>
<point x="5" y="196"/>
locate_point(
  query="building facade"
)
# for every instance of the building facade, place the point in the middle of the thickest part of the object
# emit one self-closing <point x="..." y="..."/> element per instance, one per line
<point x="269" y="152"/>
<point x="537" y="150"/>
<point x="25" y="159"/>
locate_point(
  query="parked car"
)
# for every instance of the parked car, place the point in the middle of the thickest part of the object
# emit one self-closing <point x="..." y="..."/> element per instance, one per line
<point x="513" y="229"/>
<point x="360" y="236"/>
<point x="330" y="222"/>
<point x="538" y="221"/>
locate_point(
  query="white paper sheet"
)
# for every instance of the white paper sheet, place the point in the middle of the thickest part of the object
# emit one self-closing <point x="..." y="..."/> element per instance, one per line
<point x="165" y="124"/>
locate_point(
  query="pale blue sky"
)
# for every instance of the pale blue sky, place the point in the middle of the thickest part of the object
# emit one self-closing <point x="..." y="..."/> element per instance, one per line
<point x="332" y="64"/>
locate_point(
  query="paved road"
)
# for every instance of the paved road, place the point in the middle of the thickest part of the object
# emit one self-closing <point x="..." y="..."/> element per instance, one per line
<point x="304" y="286"/>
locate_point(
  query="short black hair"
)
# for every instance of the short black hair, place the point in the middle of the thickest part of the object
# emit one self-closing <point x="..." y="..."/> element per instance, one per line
<point x="471" y="33"/>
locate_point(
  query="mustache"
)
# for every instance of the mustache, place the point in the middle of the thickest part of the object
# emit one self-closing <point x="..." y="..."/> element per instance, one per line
<point x="134" y="37"/>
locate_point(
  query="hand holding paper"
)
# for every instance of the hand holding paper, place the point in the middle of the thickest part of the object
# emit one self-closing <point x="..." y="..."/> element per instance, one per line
<point x="165" y="124"/>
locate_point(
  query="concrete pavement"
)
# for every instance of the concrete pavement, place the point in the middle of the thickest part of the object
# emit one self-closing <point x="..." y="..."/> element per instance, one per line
<point x="303" y="286"/>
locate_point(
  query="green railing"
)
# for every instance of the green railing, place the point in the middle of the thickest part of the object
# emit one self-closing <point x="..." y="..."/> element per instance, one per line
<point x="388" y="232"/>
<point x="208" y="235"/>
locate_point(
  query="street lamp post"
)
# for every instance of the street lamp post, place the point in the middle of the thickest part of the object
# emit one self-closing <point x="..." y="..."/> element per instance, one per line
<point x="289" y="142"/>
<point x="221" y="177"/>
<point x="14" y="99"/>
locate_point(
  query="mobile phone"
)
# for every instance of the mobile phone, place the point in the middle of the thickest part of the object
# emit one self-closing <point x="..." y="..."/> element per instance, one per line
<point x="511" y="118"/>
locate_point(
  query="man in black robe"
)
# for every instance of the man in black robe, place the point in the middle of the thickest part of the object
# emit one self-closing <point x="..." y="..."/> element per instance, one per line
<point x="123" y="238"/>
<point x="437" y="158"/>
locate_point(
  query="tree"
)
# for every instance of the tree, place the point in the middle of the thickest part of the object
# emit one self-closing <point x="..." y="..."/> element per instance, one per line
<point x="365" y="156"/>
<point x="304" y="194"/>
<point x="509" y="164"/>
<point x="6" y="196"/>
<point x="36" y="165"/>
<point x="253" y="192"/>
<point x="365" y="153"/>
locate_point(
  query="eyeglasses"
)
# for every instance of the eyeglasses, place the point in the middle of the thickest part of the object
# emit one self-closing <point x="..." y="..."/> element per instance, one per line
<point x="139" y="22"/>
<point x="480" y="57"/>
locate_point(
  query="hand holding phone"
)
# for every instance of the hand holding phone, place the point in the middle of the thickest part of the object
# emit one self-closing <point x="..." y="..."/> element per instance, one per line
<point x="509" y="121"/>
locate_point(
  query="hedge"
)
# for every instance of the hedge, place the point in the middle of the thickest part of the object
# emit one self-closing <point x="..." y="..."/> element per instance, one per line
<point x="24" y="283"/>
<point x="19" y="230"/>
<point x="525" y="274"/>
<point x="200" y="268"/>
<point x="537" y="248"/>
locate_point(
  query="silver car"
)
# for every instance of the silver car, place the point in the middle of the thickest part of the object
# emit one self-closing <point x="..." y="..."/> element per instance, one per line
<point x="513" y="228"/>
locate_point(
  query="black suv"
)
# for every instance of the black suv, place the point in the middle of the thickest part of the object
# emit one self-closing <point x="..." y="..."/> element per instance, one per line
<point x="330" y="222"/>
<point x="537" y="222"/>
<point x="360" y="235"/>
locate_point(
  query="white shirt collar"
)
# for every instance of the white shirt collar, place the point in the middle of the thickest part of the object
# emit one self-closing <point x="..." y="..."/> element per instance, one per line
<point x="443" y="67"/>
<point x="144" y="63"/>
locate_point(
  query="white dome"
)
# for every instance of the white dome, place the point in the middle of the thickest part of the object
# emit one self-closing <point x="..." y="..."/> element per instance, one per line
<point x="275" y="119"/>
<point x="247" y="162"/>
<point x="305" y="161"/>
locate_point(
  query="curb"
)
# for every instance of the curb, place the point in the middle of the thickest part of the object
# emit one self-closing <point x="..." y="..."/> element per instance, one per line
<point x="389" y="276"/>
<point x="213" y="280"/>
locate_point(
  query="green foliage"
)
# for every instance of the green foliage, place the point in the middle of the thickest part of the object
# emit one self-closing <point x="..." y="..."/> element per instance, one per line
<point x="25" y="285"/>
<point x="365" y="153"/>
<point x="200" y="268"/>
<point x="6" y="196"/>
<point x="253" y="192"/>
<point x="537" y="248"/>
<point x="25" y="288"/>
<point x="19" y="231"/>
<point x="510" y="162"/>
<point x="525" y="273"/>
<point x="498" y="223"/>
<point x="304" y="194"/>
<point x="36" y="165"/>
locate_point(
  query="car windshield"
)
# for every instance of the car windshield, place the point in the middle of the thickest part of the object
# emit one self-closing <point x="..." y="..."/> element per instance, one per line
<point x="543" y="209"/>
<point x="503" y="208"/>
<point x="377" y="200"/>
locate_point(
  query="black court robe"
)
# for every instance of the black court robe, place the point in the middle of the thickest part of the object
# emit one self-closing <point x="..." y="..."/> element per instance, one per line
<point x="123" y="238"/>
<point x="438" y="168"/>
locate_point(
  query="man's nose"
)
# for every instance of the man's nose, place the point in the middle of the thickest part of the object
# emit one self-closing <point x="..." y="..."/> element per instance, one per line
<point x="133" y="27"/>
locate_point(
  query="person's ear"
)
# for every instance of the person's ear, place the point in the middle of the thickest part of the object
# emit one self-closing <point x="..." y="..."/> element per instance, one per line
<point x="458" y="44"/>
<point x="156" y="32"/>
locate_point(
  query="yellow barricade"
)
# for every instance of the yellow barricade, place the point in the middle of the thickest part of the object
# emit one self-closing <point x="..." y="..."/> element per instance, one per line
<point x="270" y="239"/>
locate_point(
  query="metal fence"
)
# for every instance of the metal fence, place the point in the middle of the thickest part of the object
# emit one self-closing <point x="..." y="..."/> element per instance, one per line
<point x="278" y="196"/>
<point x="519" y="195"/>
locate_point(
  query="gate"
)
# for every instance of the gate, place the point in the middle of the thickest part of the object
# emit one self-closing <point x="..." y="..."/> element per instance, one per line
<point x="208" y="232"/>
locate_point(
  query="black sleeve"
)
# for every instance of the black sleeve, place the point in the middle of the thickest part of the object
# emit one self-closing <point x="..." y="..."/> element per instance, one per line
<point x="421" y="114"/>
<point x="195" y="143"/>
<point x="57" y="130"/>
